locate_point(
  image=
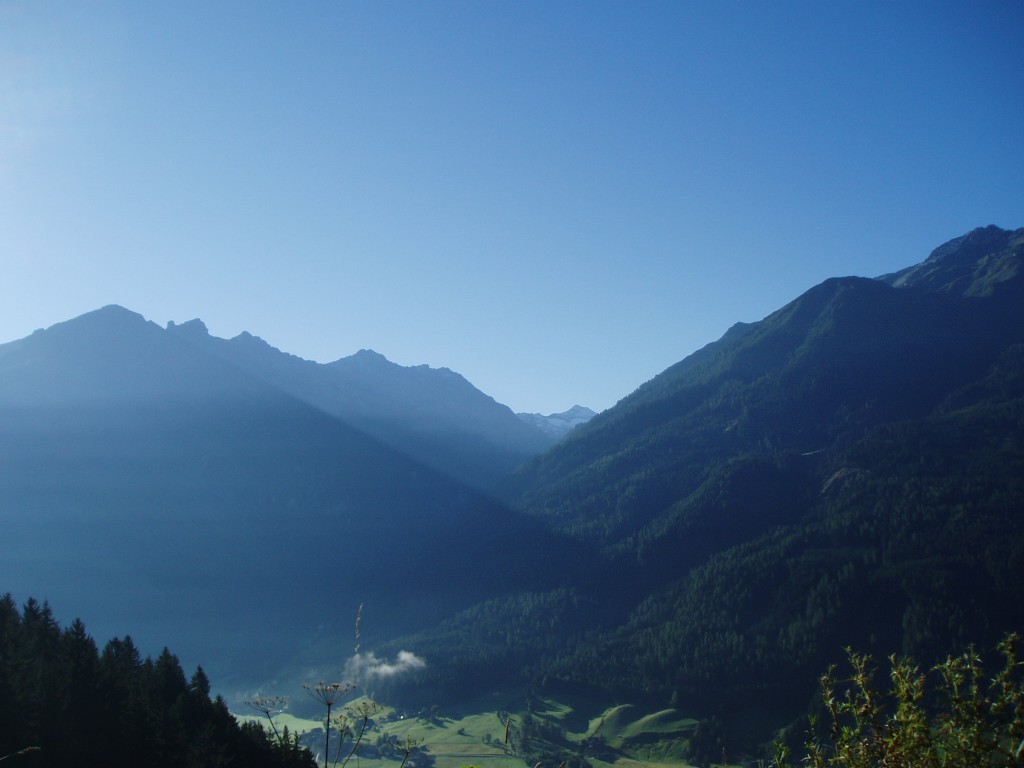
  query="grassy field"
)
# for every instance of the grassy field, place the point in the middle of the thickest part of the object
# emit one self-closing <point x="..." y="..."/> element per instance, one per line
<point x="622" y="736"/>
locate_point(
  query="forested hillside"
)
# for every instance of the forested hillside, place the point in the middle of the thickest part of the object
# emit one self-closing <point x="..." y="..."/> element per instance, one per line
<point x="63" y="701"/>
<point x="848" y="471"/>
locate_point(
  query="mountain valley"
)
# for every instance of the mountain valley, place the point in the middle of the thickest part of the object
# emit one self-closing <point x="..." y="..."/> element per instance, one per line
<point x="848" y="471"/>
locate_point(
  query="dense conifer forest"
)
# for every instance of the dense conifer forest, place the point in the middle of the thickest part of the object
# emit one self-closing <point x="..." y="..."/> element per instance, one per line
<point x="63" y="701"/>
<point x="847" y="472"/>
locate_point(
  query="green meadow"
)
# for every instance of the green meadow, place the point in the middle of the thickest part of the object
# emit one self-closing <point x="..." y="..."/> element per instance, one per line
<point x="625" y="736"/>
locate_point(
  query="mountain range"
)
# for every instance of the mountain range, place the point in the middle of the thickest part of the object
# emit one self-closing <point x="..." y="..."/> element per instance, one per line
<point x="433" y="415"/>
<point x="156" y="476"/>
<point x="847" y="471"/>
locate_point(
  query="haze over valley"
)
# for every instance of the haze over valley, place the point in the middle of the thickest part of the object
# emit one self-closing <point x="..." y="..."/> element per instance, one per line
<point x="561" y="385"/>
<point x="846" y="470"/>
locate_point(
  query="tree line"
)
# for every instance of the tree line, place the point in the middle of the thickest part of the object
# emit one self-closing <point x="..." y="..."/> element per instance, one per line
<point x="63" y="700"/>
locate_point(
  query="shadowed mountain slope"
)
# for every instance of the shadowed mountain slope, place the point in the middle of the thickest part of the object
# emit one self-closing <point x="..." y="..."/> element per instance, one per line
<point x="816" y="375"/>
<point x="846" y="471"/>
<point x="154" y="486"/>
<point x="431" y="414"/>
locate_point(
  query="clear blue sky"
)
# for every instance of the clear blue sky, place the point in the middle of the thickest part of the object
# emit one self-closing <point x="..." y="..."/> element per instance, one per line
<point x="557" y="200"/>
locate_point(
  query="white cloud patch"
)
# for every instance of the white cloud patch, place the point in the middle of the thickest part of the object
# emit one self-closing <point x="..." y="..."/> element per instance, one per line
<point x="365" y="667"/>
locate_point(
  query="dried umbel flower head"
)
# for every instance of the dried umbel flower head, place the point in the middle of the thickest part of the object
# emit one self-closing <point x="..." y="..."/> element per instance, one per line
<point x="328" y="693"/>
<point x="268" y="706"/>
<point x="361" y="712"/>
<point x="365" y="709"/>
<point x="407" y="745"/>
<point x="343" y="725"/>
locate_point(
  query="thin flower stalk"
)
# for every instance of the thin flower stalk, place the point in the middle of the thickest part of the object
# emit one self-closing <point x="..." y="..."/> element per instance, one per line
<point x="363" y="711"/>
<point x="269" y="706"/>
<point x="328" y="694"/>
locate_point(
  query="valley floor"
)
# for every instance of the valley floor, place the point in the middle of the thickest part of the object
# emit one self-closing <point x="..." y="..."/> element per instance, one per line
<point x="619" y="737"/>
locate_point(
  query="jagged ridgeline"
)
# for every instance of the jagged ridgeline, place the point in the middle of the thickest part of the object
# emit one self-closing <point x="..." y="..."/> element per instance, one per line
<point x="239" y="503"/>
<point x="847" y="471"/>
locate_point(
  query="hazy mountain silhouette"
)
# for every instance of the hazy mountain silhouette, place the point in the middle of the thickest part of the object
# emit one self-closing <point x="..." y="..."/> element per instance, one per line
<point x="847" y="471"/>
<point x="431" y="414"/>
<point x="151" y="482"/>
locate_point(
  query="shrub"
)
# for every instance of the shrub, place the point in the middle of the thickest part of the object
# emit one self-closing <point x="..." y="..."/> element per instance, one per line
<point x="964" y="719"/>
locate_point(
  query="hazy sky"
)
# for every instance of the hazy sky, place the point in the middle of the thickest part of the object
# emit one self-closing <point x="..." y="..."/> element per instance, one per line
<point x="557" y="200"/>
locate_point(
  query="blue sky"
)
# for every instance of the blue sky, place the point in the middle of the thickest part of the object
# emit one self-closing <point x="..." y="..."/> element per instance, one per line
<point x="557" y="200"/>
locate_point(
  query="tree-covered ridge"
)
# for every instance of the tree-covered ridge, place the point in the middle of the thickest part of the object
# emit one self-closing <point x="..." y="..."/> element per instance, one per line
<point x="908" y="539"/>
<point x="850" y="470"/>
<point x="847" y="355"/>
<point x="64" y="701"/>
<point x="912" y="540"/>
<point x="507" y="639"/>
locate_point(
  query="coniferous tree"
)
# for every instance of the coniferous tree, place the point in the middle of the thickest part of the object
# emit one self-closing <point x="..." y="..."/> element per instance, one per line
<point x="62" y="701"/>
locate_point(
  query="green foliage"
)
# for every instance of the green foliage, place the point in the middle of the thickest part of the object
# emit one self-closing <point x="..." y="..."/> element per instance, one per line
<point x="66" y="701"/>
<point x="538" y="742"/>
<point x="964" y="719"/>
<point x="909" y="537"/>
<point x="849" y="470"/>
<point x="510" y="639"/>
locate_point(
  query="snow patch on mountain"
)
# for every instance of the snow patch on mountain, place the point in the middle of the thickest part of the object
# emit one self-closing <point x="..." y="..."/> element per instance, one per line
<point x="557" y="425"/>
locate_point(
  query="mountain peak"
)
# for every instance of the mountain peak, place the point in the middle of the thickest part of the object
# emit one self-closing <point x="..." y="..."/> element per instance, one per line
<point x="973" y="264"/>
<point x="109" y="323"/>
<point x="108" y="315"/>
<point x="365" y="360"/>
<point x="191" y="328"/>
<point x="368" y="356"/>
<point x="557" y="425"/>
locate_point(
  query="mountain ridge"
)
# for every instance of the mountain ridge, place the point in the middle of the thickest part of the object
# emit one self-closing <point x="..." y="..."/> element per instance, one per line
<point x="434" y="414"/>
<point x="557" y="425"/>
<point x="971" y="265"/>
<point x="806" y="482"/>
<point x="193" y="502"/>
<point x="848" y="470"/>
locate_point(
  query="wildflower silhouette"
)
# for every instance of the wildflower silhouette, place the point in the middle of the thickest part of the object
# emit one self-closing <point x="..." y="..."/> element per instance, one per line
<point x="406" y="745"/>
<point x="269" y="706"/>
<point x="328" y="694"/>
<point x="363" y="712"/>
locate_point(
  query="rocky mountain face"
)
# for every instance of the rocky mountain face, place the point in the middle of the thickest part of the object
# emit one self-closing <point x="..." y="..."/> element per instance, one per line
<point x="983" y="261"/>
<point x="558" y="425"/>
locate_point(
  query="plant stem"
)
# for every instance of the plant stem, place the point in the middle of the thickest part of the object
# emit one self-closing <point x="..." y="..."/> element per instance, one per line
<point x="327" y="733"/>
